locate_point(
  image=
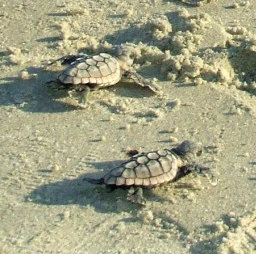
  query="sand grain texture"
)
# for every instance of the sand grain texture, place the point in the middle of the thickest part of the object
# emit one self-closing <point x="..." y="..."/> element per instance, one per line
<point x="203" y="58"/>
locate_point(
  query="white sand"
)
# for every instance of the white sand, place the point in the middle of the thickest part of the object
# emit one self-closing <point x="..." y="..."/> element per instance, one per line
<point x="204" y="59"/>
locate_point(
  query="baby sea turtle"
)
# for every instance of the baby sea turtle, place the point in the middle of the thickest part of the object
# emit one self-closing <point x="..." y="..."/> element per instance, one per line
<point x="147" y="170"/>
<point x="85" y="73"/>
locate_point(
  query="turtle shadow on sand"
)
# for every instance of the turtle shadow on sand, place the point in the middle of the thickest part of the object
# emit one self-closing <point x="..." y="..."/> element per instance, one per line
<point x="207" y="246"/>
<point x="142" y="33"/>
<point x="77" y="191"/>
<point x="33" y="95"/>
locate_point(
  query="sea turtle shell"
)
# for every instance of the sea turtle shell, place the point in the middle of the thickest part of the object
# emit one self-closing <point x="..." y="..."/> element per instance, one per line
<point x="99" y="70"/>
<point x="145" y="169"/>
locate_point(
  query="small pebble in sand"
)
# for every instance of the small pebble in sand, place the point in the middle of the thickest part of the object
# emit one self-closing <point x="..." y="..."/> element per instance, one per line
<point x="221" y="226"/>
<point x="56" y="168"/>
<point x="233" y="221"/>
<point x="165" y="236"/>
<point x="171" y="76"/>
<point x="128" y="126"/>
<point x="146" y="216"/>
<point x="237" y="30"/>
<point x="191" y="197"/>
<point x="232" y="214"/>
<point x="184" y="13"/>
<point x="158" y="222"/>
<point x="174" y="105"/>
<point x="198" y="81"/>
<point x="24" y="75"/>
<point x="154" y="113"/>
<point x="239" y="111"/>
<point x="65" y="31"/>
<point x="213" y="180"/>
<point x="120" y="226"/>
<point x="66" y="215"/>
<point x="76" y="10"/>
<point x="16" y="58"/>
<point x="172" y="200"/>
<point x="128" y="13"/>
<point x="173" y="139"/>
<point x="224" y="239"/>
<point x="246" y="154"/>
<point x="63" y="216"/>
<point x="160" y="27"/>
<point x="245" y="3"/>
<point x="174" y="130"/>
<point x="187" y="80"/>
<point x="13" y="50"/>
<point x="244" y="169"/>
<point x="102" y="138"/>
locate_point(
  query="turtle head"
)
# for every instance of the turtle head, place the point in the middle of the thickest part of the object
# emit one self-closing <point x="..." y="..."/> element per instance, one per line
<point x="125" y="55"/>
<point x="188" y="149"/>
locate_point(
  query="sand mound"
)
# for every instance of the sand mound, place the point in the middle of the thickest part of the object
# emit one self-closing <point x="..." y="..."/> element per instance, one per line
<point x="199" y="51"/>
<point x="241" y="240"/>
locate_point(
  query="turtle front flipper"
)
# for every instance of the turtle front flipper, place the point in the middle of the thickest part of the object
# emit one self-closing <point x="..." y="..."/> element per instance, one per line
<point x="135" y="195"/>
<point x="80" y="95"/>
<point x="197" y="169"/>
<point x="138" y="79"/>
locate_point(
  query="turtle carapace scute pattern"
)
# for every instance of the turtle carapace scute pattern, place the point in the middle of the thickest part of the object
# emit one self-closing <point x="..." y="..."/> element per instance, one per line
<point x="99" y="70"/>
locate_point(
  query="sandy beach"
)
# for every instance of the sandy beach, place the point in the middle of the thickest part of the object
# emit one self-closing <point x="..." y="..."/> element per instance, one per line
<point x="202" y="56"/>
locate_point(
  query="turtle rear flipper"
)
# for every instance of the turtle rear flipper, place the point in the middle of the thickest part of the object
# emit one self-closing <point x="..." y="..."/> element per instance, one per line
<point x="68" y="59"/>
<point x="94" y="181"/>
<point x="80" y="94"/>
<point x="138" y="79"/>
<point x="135" y="195"/>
